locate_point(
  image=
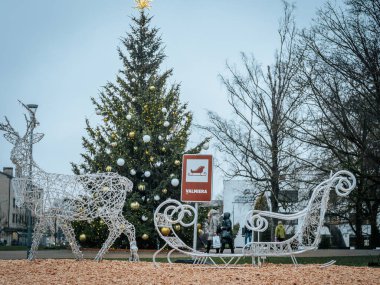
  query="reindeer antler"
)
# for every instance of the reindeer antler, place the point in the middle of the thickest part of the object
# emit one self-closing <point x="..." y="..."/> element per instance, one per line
<point x="10" y="134"/>
<point x="8" y="128"/>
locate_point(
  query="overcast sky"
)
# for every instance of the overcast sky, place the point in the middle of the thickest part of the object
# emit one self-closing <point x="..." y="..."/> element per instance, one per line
<point x="58" y="54"/>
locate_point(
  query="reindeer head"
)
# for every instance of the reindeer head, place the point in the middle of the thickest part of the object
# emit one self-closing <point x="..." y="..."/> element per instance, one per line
<point x="20" y="153"/>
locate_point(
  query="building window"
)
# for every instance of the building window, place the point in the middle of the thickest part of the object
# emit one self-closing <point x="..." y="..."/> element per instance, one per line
<point x="14" y="203"/>
<point x="13" y="218"/>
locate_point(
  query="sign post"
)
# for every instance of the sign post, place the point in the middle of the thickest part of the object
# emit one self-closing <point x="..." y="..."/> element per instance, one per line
<point x="196" y="182"/>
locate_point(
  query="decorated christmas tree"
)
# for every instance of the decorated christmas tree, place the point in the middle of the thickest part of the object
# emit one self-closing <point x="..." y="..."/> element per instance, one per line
<point x="144" y="132"/>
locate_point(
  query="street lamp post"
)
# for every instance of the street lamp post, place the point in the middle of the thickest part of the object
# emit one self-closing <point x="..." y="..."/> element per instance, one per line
<point x="32" y="108"/>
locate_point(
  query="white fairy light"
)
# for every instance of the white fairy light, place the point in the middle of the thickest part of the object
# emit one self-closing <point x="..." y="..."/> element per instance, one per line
<point x="146" y="138"/>
<point x="120" y="162"/>
<point x="175" y="182"/>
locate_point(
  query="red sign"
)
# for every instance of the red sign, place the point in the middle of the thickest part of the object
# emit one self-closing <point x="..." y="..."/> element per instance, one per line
<point x="196" y="178"/>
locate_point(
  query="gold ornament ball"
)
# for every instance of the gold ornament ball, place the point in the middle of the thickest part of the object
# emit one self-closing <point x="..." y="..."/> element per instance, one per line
<point x="113" y="135"/>
<point x="105" y="119"/>
<point x="151" y="158"/>
<point x="177" y="227"/>
<point x="165" y="231"/>
<point x="164" y="190"/>
<point x="108" y="168"/>
<point x="152" y="88"/>
<point x="132" y="134"/>
<point x="200" y="232"/>
<point x="141" y="187"/>
<point x="101" y="222"/>
<point x="145" y="107"/>
<point x="163" y="149"/>
<point x="145" y="237"/>
<point x="135" y="205"/>
<point x="199" y="226"/>
<point x="177" y="162"/>
<point x="147" y="152"/>
<point x="82" y="237"/>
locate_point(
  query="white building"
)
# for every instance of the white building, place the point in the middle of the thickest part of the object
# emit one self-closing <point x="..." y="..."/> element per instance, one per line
<point x="12" y="219"/>
<point x="238" y="198"/>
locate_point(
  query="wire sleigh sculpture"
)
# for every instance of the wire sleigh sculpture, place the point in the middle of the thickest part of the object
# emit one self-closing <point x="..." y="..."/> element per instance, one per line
<point x="67" y="198"/>
<point x="306" y="238"/>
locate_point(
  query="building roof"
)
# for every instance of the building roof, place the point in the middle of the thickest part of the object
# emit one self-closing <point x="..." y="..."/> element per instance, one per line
<point x="7" y="175"/>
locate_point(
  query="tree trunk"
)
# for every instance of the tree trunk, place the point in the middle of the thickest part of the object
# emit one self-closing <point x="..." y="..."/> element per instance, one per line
<point x="375" y="234"/>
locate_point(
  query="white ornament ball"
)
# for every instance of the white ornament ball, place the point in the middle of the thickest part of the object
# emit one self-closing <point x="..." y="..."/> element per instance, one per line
<point x="108" y="151"/>
<point x="146" y="138"/>
<point x="175" y="182"/>
<point x="129" y="117"/>
<point x="144" y="218"/>
<point x="132" y="172"/>
<point x="158" y="164"/>
<point x="206" y="146"/>
<point x="156" y="197"/>
<point x="133" y="99"/>
<point x="164" y="110"/>
<point x="113" y="144"/>
<point x="188" y="132"/>
<point x="120" y="162"/>
<point x="160" y="138"/>
<point x="98" y="112"/>
<point x="133" y="80"/>
<point x="166" y="124"/>
<point x="147" y="173"/>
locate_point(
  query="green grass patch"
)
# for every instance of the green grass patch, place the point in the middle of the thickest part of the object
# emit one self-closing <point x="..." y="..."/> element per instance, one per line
<point x="12" y="247"/>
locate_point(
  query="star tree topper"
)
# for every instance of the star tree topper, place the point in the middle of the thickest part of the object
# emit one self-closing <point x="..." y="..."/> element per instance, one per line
<point x="142" y="4"/>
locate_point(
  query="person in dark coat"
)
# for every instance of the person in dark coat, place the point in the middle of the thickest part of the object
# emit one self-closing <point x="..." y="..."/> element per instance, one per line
<point x="226" y="233"/>
<point x="247" y="235"/>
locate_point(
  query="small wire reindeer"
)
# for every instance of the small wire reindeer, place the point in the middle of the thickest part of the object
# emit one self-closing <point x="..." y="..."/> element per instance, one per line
<point x="67" y="198"/>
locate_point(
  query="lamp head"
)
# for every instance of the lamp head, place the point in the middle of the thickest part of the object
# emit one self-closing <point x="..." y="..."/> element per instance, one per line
<point x="32" y="107"/>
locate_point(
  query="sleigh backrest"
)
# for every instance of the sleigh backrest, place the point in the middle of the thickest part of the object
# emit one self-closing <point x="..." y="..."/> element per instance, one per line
<point x="309" y="233"/>
<point x="172" y="212"/>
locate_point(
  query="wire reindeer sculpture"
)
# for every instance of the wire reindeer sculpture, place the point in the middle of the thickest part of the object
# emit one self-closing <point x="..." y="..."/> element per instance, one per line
<point x="66" y="198"/>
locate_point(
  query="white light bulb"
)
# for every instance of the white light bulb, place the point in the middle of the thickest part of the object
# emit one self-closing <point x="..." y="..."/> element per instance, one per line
<point x="175" y="182"/>
<point x="146" y="138"/>
<point x="120" y="162"/>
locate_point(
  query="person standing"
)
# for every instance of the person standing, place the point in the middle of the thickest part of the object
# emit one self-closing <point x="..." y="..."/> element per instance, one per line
<point x="247" y="235"/>
<point x="226" y="233"/>
<point x="280" y="232"/>
<point x="212" y="228"/>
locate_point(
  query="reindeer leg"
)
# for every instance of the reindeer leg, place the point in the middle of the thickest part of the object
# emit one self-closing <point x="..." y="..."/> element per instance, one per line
<point x="68" y="231"/>
<point x="37" y="235"/>
<point x="114" y="232"/>
<point x="129" y="231"/>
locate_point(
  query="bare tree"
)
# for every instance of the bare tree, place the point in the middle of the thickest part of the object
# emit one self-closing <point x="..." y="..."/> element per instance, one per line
<point x="257" y="143"/>
<point x="342" y="75"/>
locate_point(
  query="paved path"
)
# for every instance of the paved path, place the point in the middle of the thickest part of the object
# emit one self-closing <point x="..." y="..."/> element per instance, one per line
<point x="67" y="254"/>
